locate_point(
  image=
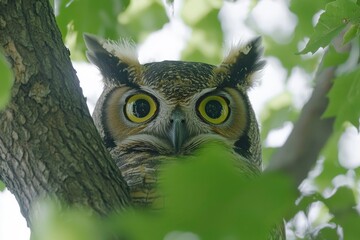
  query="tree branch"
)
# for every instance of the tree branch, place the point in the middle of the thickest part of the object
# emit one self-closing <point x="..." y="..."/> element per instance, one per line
<point x="309" y="135"/>
<point x="311" y="132"/>
<point x="48" y="143"/>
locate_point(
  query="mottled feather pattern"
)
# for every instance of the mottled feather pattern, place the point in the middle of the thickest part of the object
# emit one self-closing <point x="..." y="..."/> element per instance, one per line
<point x="241" y="64"/>
<point x="175" y="85"/>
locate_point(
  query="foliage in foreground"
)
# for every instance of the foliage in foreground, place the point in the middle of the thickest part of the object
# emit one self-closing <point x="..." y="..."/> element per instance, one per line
<point x="206" y="198"/>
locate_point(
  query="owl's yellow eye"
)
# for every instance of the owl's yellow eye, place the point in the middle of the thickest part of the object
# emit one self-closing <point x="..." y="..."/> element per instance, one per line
<point x="140" y="108"/>
<point x="214" y="109"/>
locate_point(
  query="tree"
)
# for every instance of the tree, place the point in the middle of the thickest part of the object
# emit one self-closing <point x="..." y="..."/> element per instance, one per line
<point x="46" y="152"/>
<point x="64" y="160"/>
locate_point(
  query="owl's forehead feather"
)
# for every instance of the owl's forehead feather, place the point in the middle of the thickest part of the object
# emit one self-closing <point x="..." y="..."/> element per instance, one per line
<point x="178" y="78"/>
<point x="178" y="73"/>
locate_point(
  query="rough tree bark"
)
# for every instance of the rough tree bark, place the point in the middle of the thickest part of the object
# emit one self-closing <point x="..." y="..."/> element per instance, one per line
<point x="48" y="143"/>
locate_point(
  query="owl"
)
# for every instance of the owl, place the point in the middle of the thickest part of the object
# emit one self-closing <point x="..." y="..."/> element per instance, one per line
<point x="150" y="113"/>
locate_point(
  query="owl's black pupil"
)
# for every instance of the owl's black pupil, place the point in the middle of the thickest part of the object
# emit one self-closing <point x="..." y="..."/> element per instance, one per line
<point x="213" y="109"/>
<point x="141" y="108"/>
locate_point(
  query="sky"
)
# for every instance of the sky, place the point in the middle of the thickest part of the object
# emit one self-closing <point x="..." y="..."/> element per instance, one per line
<point x="167" y="44"/>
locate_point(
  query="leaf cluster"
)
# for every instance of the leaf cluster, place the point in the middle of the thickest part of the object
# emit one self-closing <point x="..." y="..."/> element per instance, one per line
<point x="206" y="197"/>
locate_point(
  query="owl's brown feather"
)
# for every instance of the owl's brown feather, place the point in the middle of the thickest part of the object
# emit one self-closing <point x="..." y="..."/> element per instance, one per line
<point x="174" y="86"/>
<point x="141" y="147"/>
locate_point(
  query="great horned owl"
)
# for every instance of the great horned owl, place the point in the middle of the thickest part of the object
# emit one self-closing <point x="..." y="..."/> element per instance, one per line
<point x="150" y="113"/>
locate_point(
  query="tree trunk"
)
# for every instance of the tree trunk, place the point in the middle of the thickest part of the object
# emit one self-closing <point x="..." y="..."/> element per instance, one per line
<point x="49" y="146"/>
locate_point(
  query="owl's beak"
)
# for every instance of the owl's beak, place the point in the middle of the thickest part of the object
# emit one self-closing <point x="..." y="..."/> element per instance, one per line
<point x="178" y="131"/>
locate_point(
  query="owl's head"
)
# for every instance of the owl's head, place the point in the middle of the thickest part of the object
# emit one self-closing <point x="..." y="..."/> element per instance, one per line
<point x="170" y="108"/>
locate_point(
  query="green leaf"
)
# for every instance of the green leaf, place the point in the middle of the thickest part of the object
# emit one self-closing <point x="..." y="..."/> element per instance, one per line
<point x="96" y="17"/>
<point x="345" y="98"/>
<point x="6" y="79"/>
<point x="341" y="205"/>
<point x="2" y="186"/>
<point x="57" y="222"/>
<point x="350" y="222"/>
<point x="335" y="18"/>
<point x="111" y="19"/>
<point x="303" y="204"/>
<point x="207" y="197"/>
<point x="341" y="201"/>
<point x="286" y="53"/>
<point x="141" y="18"/>
<point x="327" y="233"/>
<point x="353" y="31"/>
<point x="305" y="11"/>
<point x="334" y="58"/>
<point x="357" y="175"/>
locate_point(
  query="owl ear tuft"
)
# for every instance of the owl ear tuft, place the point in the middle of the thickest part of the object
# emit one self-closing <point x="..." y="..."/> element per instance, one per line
<point x="241" y="63"/>
<point x="117" y="61"/>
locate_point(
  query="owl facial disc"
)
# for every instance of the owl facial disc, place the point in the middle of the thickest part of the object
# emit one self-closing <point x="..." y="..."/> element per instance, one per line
<point x="153" y="113"/>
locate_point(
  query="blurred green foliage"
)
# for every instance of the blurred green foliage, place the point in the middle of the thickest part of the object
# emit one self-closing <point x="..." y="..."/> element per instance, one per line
<point x="338" y="15"/>
<point x="207" y="199"/>
<point x="214" y="201"/>
<point x="345" y="99"/>
<point x="331" y="166"/>
<point x="206" y="39"/>
<point x="6" y="78"/>
<point x="111" y="19"/>
<point x="58" y="223"/>
<point x="2" y="186"/>
<point x="277" y="111"/>
<point x="334" y="58"/>
<point x="286" y="51"/>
